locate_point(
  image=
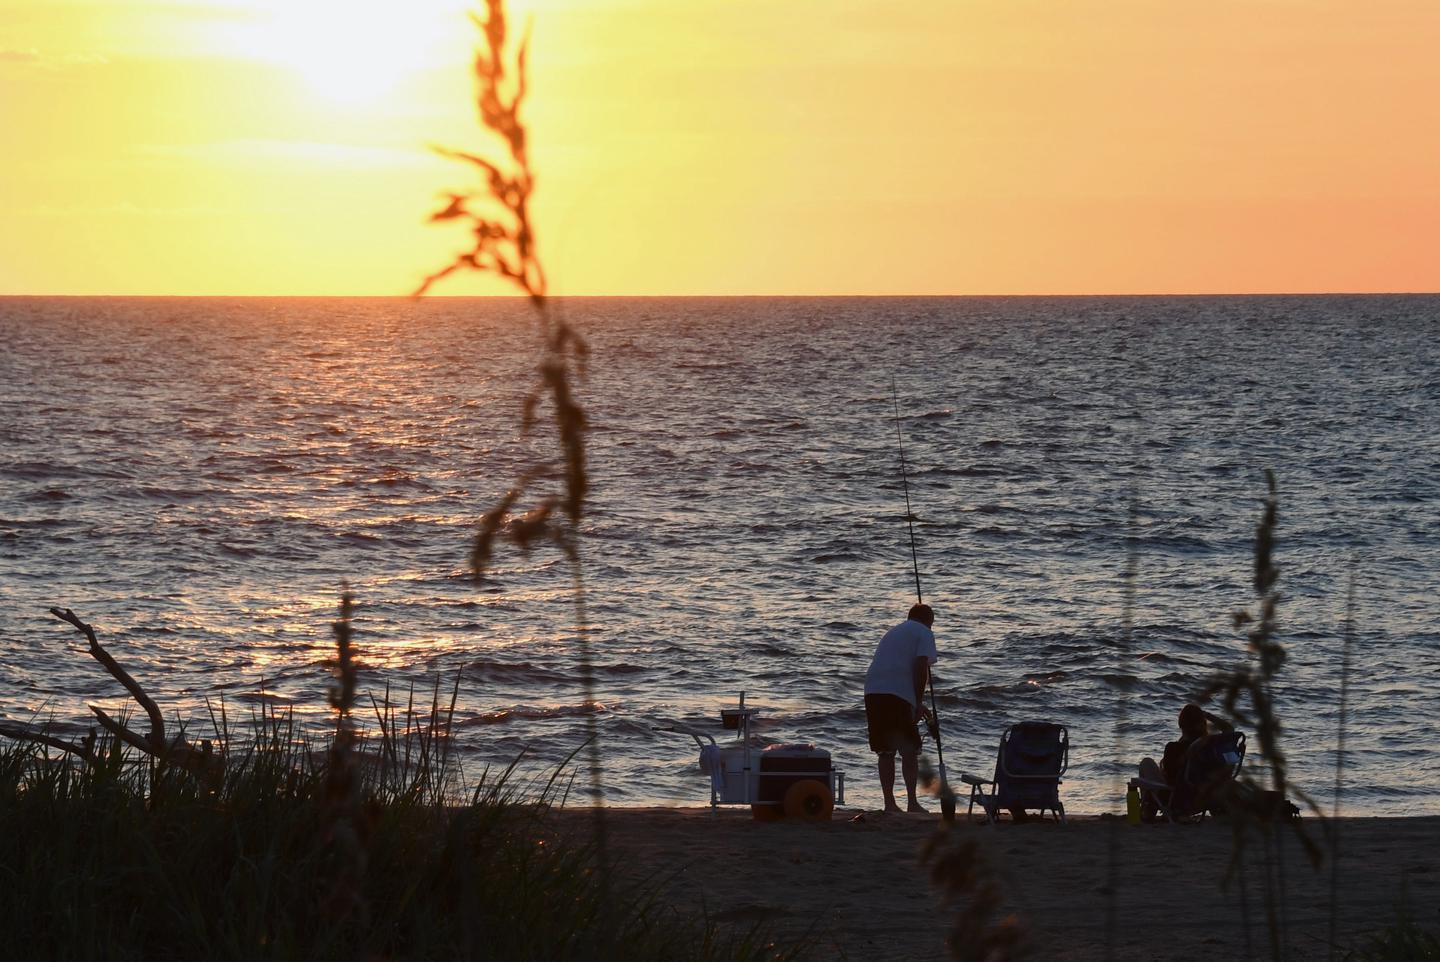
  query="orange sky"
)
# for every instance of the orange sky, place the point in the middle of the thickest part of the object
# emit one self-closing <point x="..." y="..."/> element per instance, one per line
<point x="731" y="146"/>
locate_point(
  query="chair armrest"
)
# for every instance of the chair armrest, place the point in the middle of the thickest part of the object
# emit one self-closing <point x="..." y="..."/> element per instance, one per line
<point x="975" y="780"/>
<point x="1151" y="784"/>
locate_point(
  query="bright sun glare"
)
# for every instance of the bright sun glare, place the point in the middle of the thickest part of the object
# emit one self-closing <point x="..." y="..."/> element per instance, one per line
<point x="352" y="52"/>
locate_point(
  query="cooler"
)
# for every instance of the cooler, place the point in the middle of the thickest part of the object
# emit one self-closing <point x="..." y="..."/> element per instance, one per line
<point x="783" y="765"/>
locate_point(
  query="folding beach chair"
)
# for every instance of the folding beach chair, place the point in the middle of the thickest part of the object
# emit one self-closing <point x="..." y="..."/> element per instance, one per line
<point x="1208" y="770"/>
<point x="1032" y="758"/>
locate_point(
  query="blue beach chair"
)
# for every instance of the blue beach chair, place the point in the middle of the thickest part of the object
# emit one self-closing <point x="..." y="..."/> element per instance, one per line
<point x="1028" y="768"/>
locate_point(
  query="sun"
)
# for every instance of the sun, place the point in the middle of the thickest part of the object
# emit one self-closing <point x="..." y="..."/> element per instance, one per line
<point x="352" y="52"/>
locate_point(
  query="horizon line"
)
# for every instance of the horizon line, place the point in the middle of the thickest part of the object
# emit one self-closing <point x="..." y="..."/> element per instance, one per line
<point x="848" y="296"/>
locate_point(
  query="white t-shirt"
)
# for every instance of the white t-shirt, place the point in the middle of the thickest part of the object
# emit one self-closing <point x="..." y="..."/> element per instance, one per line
<point x="892" y="670"/>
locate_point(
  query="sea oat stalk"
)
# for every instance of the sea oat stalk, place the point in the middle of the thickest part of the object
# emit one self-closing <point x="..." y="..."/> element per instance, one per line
<point x="1247" y="695"/>
<point x="503" y="242"/>
<point x="344" y="822"/>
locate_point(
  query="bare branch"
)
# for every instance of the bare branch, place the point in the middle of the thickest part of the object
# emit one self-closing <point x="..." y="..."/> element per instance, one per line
<point x="202" y="762"/>
<point x="121" y="732"/>
<point x="24" y="734"/>
<point x="157" y="721"/>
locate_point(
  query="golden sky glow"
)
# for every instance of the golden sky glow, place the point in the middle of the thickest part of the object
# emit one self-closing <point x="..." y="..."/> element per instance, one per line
<point x="731" y="146"/>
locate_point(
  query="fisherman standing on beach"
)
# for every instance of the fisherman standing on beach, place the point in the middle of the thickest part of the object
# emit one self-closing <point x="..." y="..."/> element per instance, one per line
<point x="894" y="700"/>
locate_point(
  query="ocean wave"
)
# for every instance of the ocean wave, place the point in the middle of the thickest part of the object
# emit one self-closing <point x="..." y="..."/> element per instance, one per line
<point x="524" y="713"/>
<point x="36" y="523"/>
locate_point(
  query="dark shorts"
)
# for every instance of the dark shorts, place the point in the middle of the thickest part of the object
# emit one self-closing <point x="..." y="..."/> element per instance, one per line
<point x="891" y="720"/>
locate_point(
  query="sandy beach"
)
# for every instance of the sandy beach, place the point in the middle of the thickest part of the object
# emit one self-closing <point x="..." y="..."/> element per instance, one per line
<point x="857" y="887"/>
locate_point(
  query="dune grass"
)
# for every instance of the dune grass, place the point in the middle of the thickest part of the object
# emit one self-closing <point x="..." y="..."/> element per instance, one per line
<point x="124" y="858"/>
<point x="1402" y="941"/>
<point x="373" y="845"/>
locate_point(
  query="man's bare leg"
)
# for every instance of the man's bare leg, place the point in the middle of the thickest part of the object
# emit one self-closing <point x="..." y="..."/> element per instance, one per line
<point x="886" y="762"/>
<point x="910" y="767"/>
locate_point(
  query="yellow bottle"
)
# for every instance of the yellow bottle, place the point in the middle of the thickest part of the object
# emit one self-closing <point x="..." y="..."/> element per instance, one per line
<point x="1132" y="805"/>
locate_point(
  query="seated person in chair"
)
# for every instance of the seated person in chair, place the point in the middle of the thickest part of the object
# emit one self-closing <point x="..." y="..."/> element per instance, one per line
<point x="1188" y="796"/>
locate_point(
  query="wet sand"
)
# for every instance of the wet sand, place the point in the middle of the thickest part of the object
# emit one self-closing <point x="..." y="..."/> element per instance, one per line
<point x="857" y="887"/>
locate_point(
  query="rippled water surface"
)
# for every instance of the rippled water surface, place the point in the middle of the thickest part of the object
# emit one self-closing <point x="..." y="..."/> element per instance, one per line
<point x="198" y="477"/>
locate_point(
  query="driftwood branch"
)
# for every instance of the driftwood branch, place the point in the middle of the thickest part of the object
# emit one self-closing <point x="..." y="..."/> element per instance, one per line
<point x="82" y="748"/>
<point x="202" y="761"/>
<point x="98" y="652"/>
<point x="121" y="732"/>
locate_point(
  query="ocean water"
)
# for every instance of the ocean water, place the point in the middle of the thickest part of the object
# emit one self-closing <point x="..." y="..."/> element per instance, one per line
<point x="198" y="477"/>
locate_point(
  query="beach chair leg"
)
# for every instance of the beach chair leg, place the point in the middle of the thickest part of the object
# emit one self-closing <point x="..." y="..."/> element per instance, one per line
<point x="992" y="811"/>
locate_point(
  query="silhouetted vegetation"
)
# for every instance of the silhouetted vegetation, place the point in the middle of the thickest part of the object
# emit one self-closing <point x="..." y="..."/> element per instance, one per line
<point x="503" y="243"/>
<point x="1246" y="694"/>
<point x="982" y="931"/>
<point x="374" y="847"/>
<point x="1403" y="941"/>
<point x="1333" y="836"/>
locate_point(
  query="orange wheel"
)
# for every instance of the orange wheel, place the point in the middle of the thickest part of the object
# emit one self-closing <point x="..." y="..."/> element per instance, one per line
<point x="766" y="813"/>
<point x="810" y="800"/>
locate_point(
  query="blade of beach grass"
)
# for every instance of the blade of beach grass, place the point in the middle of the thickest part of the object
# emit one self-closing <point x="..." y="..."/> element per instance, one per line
<point x="1347" y="647"/>
<point x="1125" y="647"/>
<point x="448" y="734"/>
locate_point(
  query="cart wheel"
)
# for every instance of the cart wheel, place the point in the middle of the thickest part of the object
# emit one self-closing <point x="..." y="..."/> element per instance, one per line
<point x="766" y="813"/>
<point x="810" y="800"/>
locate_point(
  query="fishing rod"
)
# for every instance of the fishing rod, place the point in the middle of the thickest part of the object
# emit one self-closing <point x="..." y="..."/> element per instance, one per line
<point x="947" y="797"/>
<point x="905" y="484"/>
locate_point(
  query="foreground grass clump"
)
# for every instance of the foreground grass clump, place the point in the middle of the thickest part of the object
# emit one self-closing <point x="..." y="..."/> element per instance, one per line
<point x="1403" y="941"/>
<point x="123" y="859"/>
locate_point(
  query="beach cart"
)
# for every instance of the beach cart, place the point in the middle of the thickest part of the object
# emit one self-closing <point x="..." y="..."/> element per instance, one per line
<point x="776" y="781"/>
